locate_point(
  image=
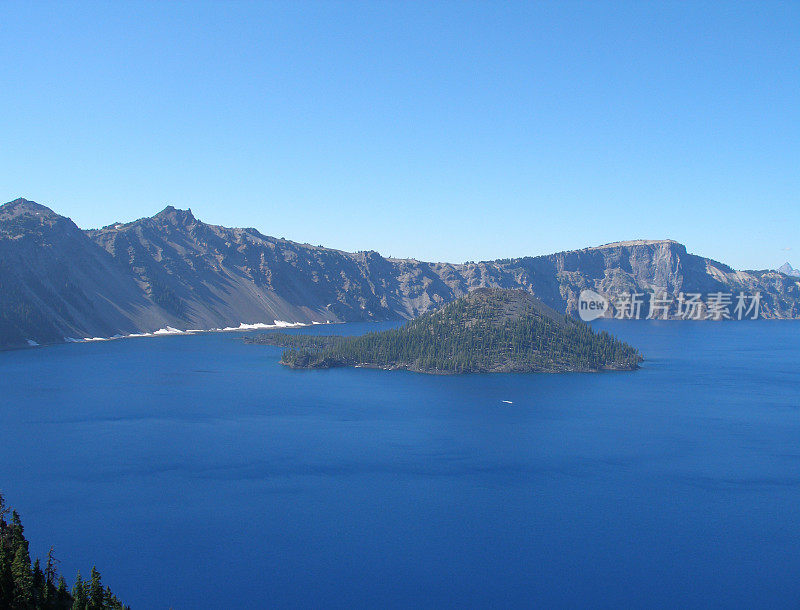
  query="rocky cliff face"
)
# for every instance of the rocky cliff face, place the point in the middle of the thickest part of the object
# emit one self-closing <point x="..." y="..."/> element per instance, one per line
<point x="787" y="269"/>
<point x="666" y="267"/>
<point x="57" y="281"/>
<point x="647" y="266"/>
<point x="212" y="276"/>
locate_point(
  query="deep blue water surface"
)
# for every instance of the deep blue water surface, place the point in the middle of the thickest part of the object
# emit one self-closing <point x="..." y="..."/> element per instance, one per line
<point x="196" y="472"/>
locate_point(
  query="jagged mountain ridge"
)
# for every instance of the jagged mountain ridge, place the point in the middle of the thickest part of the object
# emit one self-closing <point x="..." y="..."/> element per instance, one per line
<point x="787" y="269"/>
<point x="172" y="269"/>
<point x="56" y="283"/>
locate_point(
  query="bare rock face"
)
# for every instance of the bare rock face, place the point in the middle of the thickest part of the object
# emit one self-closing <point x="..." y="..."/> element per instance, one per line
<point x="57" y="281"/>
<point x="649" y="266"/>
<point x="787" y="269"/>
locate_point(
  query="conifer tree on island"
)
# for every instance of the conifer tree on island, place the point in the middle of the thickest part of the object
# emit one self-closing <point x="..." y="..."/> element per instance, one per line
<point x="487" y="331"/>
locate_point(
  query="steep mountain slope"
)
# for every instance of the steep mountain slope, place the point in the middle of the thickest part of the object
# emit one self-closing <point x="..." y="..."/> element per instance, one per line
<point x="647" y="266"/>
<point x="57" y="281"/>
<point x="215" y="276"/>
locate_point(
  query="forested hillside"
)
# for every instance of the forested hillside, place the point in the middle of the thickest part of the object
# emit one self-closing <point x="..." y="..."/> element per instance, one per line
<point x="489" y="330"/>
<point x="33" y="586"/>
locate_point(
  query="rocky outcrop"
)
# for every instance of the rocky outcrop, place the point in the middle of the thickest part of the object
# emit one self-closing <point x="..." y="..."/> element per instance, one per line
<point x="787" y="269"/>
<point x="646" y="266"/>
<point x="57" y="281"/>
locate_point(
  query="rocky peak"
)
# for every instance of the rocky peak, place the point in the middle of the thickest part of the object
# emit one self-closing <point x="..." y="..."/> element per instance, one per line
<point x="25" y="218"/>
<point x="25" y="207"/>
<point x="175" y="216"/>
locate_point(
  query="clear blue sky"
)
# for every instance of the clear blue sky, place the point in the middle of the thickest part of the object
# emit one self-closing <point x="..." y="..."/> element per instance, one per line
<point x="443" y="131"/>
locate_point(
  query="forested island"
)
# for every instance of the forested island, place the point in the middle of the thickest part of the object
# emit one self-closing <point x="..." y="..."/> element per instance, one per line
<point x="174" y="270"/>
<point x="486" y="331"/>
<point x="26" y="586"/>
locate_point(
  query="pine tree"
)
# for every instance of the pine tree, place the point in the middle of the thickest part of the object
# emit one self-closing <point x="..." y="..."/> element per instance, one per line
<point x="79" y="594"/>
<point x="17" y="532"/>
<point x="23" y="578"/>
<point x="96" y="593"/>
<point x="50" y="574"/>
<point x="6" y="578"/>
<point x="63" y="598"/>
<point x="3" y="509"/>
<point x="26" y="587"/>
<point x="39" y="585"/>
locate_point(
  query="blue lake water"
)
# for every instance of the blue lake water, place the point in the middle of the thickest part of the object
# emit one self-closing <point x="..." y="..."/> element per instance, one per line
<point x="196" y="472"/>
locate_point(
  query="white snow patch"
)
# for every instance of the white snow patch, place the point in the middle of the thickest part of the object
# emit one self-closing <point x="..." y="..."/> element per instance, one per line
<point x="169" y="330"/>
<point x="243" y="326"/>
<point x="263" y="326"/>
<point x="282" y="324"/>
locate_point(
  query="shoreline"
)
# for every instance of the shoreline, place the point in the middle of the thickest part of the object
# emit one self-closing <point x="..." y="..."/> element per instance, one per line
<point x="169" y="331"/>
<point x="502" y="370"/>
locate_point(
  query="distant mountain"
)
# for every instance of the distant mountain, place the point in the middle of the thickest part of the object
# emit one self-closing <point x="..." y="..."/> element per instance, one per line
<point x="787" y="269"/>
<point x="660" y="266"/>
<point x="489" y="330"/>
<point x="55" y="282"/>
<point x="173" y="270"/>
